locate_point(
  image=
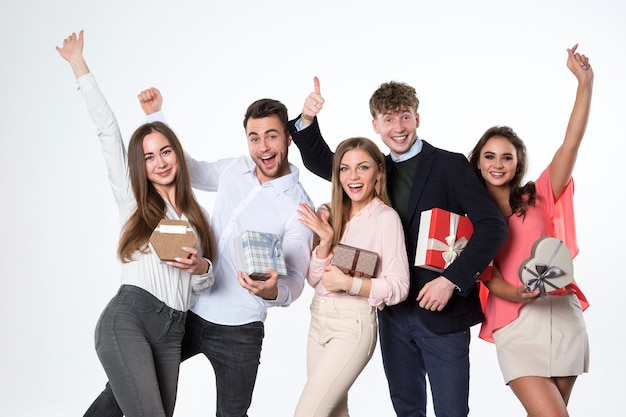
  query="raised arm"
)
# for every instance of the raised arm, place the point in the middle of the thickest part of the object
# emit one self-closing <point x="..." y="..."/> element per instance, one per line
<point x="72" y="52"/>
<point x="150" y="100"/>
<point x="316" y="155"/>
<point x="312" y="104"/>
<point x="113" y="147"/>
<point x="564" y="159"/>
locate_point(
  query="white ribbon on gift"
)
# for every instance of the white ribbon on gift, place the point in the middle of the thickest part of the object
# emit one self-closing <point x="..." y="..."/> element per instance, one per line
<point x="452" y="247"/>
<point x="173" y="229"/>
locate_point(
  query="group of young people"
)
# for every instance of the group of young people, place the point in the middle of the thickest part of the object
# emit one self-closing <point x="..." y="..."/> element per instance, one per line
<point x="422" y="317"/>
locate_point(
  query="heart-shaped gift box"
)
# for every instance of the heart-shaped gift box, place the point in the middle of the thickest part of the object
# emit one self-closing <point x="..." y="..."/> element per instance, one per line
<point x="549" y="267"/>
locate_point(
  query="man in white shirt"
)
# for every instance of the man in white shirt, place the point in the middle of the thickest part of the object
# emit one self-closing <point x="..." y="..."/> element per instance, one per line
<point x="257" y="193"/>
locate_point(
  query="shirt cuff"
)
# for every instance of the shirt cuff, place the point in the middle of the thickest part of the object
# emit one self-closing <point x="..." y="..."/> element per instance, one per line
<point x="298" y="125"/>
<point x="86" y="82"/>
<point x="156" y="117"/>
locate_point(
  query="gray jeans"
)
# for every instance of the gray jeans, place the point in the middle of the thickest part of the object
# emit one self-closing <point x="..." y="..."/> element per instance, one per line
<point x="138" y="340"/>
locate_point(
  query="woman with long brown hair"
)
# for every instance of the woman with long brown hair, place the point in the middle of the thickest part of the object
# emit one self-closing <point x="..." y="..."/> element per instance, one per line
<point x="541" y="341"/>
<point x="139" y="334"/>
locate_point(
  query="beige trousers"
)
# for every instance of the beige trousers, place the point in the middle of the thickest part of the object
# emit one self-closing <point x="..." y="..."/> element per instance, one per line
<point x="341" y="341"/>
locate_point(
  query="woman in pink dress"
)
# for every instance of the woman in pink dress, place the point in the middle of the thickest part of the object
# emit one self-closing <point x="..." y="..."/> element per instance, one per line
<point x="541" y="342"/>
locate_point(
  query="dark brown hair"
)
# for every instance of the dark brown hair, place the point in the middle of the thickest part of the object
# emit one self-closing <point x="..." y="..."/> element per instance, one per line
<point x="267" y="107"/>
<point x="521" y="196"/>
<point x="150" y="204"/>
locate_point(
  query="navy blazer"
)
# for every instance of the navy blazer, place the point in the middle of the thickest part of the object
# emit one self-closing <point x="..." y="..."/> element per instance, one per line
<point x="442" y="180"/>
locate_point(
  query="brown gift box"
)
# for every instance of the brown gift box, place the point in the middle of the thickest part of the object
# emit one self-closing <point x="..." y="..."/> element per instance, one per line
<point x="169" y="237"/>
<point x="354" y="261"/>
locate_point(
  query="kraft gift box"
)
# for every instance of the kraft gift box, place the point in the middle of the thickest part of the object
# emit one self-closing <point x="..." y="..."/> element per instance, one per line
<point x="354" y="261"/>
<point x="257" y="252"/>
<point x="169" y="237"/>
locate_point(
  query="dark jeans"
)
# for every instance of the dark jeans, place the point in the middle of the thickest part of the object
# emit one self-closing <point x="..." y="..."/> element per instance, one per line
<point x="410" y="351"/>
<point x="138" y="340"/>
<point x="234" y="352"/>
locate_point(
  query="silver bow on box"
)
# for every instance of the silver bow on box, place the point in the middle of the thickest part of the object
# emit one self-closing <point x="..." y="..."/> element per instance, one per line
<point x="550" y="264"/>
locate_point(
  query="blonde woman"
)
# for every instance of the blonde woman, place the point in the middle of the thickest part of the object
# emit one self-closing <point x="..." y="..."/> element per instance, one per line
<point x="343" y="330"/>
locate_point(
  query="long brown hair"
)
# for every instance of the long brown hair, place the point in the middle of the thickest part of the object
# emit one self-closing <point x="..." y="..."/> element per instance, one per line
<point x="521" y="196"/>
<point x="150" y="204"/>
<point x="341" y="204"/>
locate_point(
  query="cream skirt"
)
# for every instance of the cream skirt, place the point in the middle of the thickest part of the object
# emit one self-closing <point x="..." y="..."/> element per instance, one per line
<point x="548" y="339"/>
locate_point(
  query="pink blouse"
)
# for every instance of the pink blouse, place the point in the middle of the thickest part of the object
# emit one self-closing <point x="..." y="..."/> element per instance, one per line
<point x="376" y="228"/>
<point x="546" y="218"/>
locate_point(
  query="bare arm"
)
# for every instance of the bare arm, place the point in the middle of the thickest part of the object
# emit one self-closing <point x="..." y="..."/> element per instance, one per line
<point x="72" y="52"/>
<point x="564" y="159"/>
<point x="502" y="289"/>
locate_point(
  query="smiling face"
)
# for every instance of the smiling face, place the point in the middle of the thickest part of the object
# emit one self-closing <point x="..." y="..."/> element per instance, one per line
<point x="398" y="130"/>
<point x="358" y="175"/>
<point x="268" y="143"/>
<point x="161" y="161"/>
<point x="498" y="162"/>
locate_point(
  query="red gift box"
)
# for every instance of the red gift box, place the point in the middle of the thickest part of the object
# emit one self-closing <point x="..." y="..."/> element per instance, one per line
<point x="441" y="238"/>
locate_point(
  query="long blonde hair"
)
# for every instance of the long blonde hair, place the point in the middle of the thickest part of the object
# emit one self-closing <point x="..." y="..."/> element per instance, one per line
<point x="340" y="204"/>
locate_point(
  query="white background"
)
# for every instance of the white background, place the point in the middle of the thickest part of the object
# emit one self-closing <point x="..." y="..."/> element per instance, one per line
<point x="474" y="64"/>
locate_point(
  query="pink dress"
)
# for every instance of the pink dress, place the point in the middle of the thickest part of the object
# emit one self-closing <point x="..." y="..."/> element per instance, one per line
<point x="546" y="218"/>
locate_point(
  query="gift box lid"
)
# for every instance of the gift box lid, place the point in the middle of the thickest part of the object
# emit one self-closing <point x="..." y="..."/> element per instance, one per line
<point x="169" y="237"/>
<point x="549" y="267"/>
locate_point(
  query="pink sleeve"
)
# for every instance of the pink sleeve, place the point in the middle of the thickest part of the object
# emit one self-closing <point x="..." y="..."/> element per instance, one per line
<point x="316" y="268"/>
<point x="563" y="222"/>
<point x="392" y="284"/>
<point x="561" y="212"/>
<point x="563" y="219"/>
